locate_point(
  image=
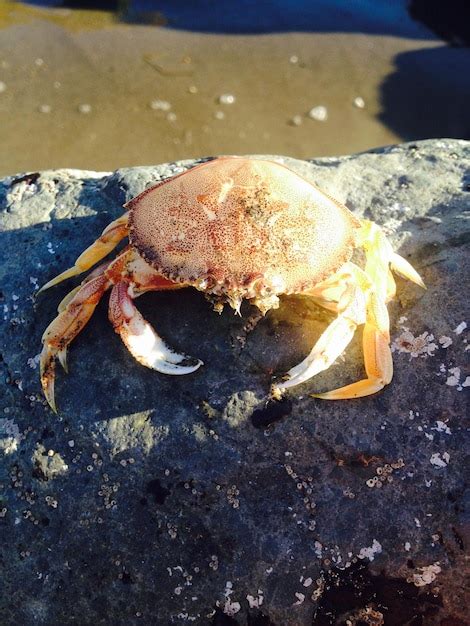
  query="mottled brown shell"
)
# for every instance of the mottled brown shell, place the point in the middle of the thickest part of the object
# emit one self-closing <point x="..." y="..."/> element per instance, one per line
<point x="241" y="227"/>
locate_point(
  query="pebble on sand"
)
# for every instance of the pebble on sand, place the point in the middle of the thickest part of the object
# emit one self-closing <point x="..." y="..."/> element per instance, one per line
<point x="226" y="98"/>
<point x="319" y="113"/>
<point x="84" y="108"/>
<point x="160" y="105"/>
<point x="296" y="120"/>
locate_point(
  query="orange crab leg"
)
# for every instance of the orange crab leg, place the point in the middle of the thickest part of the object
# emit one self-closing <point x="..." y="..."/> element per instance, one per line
<point x="357" y="296"/>
<point x="401" y="266"/>
<point x="377" y="356"/>
<point x="376" y="336"/>
<point x="337" y="336"/>
<point x="98" y="271"/>
<point x="75" y="310"/>
<point x="380" y="257"/>
<point x="109" y="239"/>
<point x="62" y="330"/>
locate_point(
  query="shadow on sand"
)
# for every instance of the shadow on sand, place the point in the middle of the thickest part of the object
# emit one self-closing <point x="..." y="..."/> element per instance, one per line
<point x="264" y="16"/>
<point x="428" y="94"/>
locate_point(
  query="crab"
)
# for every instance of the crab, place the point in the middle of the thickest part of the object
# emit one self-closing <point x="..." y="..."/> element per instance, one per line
<point x="237" y="229"/>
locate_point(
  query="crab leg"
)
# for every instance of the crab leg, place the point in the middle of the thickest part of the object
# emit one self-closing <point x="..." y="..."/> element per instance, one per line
<point x="357" y="303"/>
<point x="401" y="266"/>
<point x="75" y="310"/>
<point x="64" y="328"/>
<point x="131" y="277"/>
<point x="380" y="257"/>
<point x="109" y="239"/>
<point x="333" y="341"/>
<point x="376" y="336"/>
<point x="330" y="291"/>
<point x="377" y="356"/>
<point x="141" y="339"/>
<point x="98" y="271"/>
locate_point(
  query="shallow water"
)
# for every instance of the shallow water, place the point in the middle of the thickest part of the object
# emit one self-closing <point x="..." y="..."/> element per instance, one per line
<point x="99" y="90"/>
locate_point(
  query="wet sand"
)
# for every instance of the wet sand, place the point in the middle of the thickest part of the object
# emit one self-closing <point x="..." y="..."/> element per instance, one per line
<point x="82" y="90"/>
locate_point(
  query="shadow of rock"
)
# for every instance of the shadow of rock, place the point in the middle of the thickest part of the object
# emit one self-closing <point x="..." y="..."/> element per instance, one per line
<point x="428" y="94"/>
<point x="450" y="20"/>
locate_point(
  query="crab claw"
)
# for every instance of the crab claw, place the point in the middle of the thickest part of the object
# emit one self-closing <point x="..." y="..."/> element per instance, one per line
<point x="141" y="339"/>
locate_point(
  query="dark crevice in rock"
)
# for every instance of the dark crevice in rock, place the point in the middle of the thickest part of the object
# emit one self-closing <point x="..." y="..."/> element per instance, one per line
<point x="29" y="179"/>
<point x="354" y="594"/>
<point x="221" y="619"/>
<point x="272" y="411"/>
<point x="458" y="539"/>
<point x="157" y="490"/>
<point x="259" y="619"/>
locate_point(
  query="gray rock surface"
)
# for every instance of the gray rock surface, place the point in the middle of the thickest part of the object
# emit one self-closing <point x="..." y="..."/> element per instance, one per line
<point x="172" y="500"/>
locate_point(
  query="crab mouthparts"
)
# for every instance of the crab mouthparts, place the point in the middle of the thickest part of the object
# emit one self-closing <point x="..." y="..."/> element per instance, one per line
<point x="235" y="300"/>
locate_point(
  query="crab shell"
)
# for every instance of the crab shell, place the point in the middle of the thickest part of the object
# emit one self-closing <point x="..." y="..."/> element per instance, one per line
<point x="239" y="228"/>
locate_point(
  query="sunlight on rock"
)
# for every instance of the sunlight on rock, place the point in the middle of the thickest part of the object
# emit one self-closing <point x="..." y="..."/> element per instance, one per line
<point x="129" y="432"/>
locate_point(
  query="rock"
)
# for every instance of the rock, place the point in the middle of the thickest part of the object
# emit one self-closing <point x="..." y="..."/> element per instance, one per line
<point x="173" y="500"/>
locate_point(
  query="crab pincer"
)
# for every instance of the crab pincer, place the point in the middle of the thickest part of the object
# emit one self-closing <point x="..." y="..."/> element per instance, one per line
<point x="145" y="345"/>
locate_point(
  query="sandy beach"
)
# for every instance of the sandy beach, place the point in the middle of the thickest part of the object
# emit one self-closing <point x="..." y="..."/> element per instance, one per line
<point x="80" y="89"/>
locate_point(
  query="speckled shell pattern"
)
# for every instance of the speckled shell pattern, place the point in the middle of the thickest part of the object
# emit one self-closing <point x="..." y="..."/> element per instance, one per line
<point x="241" y="227"/>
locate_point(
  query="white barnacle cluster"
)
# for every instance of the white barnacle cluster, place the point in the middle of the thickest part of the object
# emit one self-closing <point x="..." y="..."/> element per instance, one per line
<point x="230" y="607"/>
<point x="425" y="575"/>
<point x="255" y="602"/>
<point x="453" y="373"/>
<point x="454" y="378"/>
<point x="369" y="552"/>
<point x="232" y="496"/>
<point x="440" y="460"/>
<point x="384" y="474"/>
<point x="426" y="345"/>
<point x="423" y="345"/>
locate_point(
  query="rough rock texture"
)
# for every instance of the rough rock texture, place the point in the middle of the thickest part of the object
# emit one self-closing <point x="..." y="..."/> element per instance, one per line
<point x="158" y="500"/>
